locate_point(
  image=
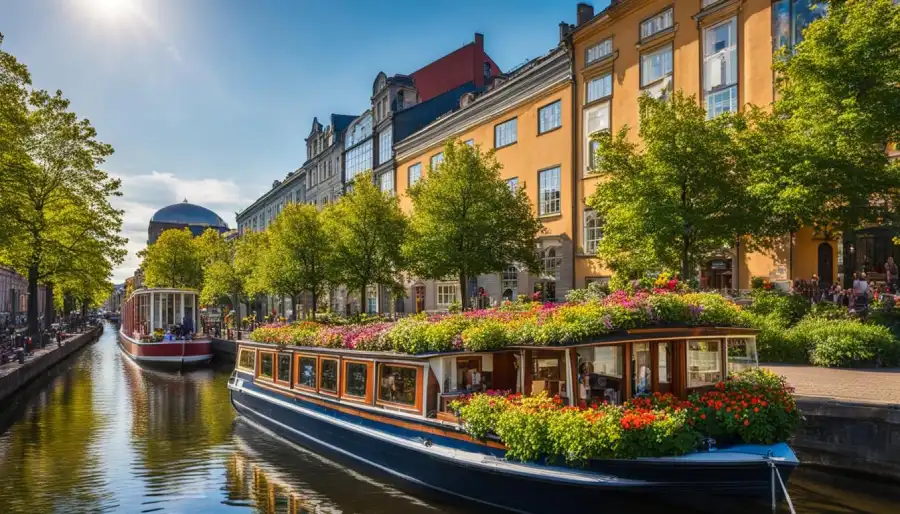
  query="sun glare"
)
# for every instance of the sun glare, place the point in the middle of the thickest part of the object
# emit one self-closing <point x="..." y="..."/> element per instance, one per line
<point x="110" y="9"/>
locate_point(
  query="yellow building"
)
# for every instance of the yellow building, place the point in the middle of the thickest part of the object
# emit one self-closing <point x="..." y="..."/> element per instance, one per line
<point x="527" y="117"/>
<point x="721" y="52"/>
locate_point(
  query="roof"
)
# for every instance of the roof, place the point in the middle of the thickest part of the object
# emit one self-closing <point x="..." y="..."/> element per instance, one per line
<point x="454" y="69"/>
<point x="340" y="121"/>
<point x="185" y="213"/>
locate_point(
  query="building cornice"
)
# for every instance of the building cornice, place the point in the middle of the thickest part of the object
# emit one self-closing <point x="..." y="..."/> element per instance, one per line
<point x="552" y="71"/>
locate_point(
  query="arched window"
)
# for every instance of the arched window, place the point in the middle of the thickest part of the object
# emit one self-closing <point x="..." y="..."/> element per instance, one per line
<point x="509" y="282"/>
<point x="551" y="262"/>
<point x="592" y="232"/>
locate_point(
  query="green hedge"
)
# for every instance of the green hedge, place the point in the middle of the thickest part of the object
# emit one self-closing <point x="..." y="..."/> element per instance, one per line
<point x="845" y="343"/>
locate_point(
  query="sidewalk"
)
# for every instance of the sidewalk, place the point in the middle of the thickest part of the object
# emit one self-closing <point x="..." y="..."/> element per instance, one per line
<point x="877" y="386"/>
<point x="10" y="367"/>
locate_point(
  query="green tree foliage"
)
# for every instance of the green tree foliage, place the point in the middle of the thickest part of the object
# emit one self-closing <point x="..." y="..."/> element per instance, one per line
<point x="173" y="261"/>
<point x="250" y="250"/>
<point x="468" y="221"/>
<point x="677" y="198"/>
<point x="299" y="255"/>
<point x="59" y="222"/>
<point x="14" y="79"/>
<point x="221" y="281"/>
<point x="367" y="228"/>
<point x="838" y="107"/>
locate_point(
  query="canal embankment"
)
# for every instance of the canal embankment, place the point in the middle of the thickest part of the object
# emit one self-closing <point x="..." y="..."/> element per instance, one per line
<point x="14" y="376"/>
<point x="851" y="418"/>
<point x="224" y="349"/>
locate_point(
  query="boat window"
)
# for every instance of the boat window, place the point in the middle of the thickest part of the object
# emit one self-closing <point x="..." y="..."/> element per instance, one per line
<point x="284" y="367"/>
<point x="468" y="373"/>
<point x="356" y="379"/>
<point x="247" y="359"/>
<point x="600" y="372"/>
<point x="397" y="384"/>
<point x="307" y="371"/>
<point x="704" y="363"/>
<point x="329" y="380"/>
<point x="643" y="371"/>
<point x="741" y="354"/>
<point x="266" y="364"/>
<point x="665" y="365"/>
<point x="548" y="373"/>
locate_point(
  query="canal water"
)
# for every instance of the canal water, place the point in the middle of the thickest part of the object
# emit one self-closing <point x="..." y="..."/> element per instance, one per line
<point x="100" y="434"/>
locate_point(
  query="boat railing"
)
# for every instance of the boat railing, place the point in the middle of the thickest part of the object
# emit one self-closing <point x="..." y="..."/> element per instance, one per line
<point x="777" y="475"/>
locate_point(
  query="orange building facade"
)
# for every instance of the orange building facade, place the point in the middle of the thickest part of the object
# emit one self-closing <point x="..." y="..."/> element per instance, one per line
<point x="719" y="51"/>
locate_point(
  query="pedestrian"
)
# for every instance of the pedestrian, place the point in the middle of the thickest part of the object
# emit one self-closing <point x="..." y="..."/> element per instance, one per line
<point x="890" y="270"/>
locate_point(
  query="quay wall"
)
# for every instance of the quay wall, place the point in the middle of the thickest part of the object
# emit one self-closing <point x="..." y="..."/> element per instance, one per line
<point x="224" y="349"/>
<point x="851" y="436"/>
<point x="24" y="374"/>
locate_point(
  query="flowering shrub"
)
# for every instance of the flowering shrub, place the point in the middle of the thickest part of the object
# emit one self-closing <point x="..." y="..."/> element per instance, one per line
<point x="514" y="323"/>
<point x="753" y="407"/>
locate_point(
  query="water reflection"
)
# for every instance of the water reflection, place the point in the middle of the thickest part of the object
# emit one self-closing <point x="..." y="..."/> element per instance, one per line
<point x="101" y="434"/>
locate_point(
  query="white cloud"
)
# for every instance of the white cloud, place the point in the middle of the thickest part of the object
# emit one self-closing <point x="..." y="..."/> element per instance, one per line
<point x="143" y="195"/>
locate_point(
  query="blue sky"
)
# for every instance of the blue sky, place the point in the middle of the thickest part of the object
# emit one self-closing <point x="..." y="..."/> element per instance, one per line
<point x="211" y="99"/>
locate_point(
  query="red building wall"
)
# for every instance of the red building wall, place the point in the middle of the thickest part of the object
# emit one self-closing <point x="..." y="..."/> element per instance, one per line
<point x="455" y="69"/>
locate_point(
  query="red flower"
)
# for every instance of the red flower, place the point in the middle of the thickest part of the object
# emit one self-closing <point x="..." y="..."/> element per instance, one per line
<point x="746" y="422"/>
<point x="703" y="416"/>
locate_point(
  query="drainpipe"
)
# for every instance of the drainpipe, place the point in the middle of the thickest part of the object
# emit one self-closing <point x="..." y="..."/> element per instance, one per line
<point x="576" y="170"/>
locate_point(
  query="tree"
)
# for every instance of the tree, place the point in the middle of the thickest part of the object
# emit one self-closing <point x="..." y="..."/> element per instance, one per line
<point x="56" y="200"/>
<point x="683" y="195"/>
<point x="220" y="278"/>
<point x="468" y="221"/>
<point x="368" y="229"/>
<point x="838" y="107"/>
<point x="173" y="261"/>
<point x="14" y="79"/>
<point x="299" y="254"/>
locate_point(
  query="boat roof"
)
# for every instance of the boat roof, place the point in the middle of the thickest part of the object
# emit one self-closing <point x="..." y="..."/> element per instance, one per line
<point x="148" y="290"/>
<point x="636" y="335"/>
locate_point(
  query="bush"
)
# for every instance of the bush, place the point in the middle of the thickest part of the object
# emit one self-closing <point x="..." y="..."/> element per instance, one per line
<point x="480" y="413"/>
<point x="772" y="342"/>
<point x="593" y="292"/>
<point x="788" y="307"/>
<point x="829" y="311"/>
<point x="846" y="343"/>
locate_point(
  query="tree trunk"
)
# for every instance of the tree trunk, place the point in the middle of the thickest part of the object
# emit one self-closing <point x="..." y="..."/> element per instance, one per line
<point x="685" y="261"/>
<point x="462" y="291"/>
<point x="49" y="310"/>
<point x="33" y="301"/>
<point x="363" y="305"/>
<point x="315" y="301"/>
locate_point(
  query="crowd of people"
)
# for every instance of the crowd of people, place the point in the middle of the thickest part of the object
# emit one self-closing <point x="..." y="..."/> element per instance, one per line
<point x="858" y="296"/>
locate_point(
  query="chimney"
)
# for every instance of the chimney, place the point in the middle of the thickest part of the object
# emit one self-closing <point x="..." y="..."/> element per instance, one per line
<point x="584" y="13"/>
<point x="564" y="29"/>
<point x="479" y="41"/>
<point x="478" y="60"/>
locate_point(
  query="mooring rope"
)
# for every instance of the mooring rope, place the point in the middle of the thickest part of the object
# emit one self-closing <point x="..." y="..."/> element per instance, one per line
<point x="776" y="473"/>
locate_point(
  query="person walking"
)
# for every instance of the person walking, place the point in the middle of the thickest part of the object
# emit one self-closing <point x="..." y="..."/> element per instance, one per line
<point x="890" y="271"/>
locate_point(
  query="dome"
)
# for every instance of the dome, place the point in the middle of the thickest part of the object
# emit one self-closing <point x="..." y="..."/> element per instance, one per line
<point x="185" y="213"/>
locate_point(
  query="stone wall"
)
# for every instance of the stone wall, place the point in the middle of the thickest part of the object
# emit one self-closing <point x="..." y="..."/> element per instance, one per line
<point x="19" y="377"/>
<point x="850" y="436"/>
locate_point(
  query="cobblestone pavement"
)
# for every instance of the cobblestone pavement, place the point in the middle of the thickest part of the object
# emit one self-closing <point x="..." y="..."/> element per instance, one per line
<point x="870" y="386"/>
<point x="9" y="367"/>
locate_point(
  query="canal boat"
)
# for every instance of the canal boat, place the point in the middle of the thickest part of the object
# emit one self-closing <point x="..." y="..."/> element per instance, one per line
<point x="158" y="329"/>
<point x="392" y="411"/>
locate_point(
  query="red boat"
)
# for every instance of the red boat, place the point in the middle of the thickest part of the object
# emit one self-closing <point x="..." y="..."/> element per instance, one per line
<point x="159" y="329"/>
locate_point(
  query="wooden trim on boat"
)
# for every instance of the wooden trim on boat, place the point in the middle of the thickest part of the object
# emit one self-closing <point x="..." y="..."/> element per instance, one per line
<point x="340" y="374"/>
<point x="370" y="382"/>
<point x="255" y="355"/>
<point x="298" y="368"/>
<point x="419" y="392"/>
<point x="278" y="356"/>
<point x="259" y="358"/>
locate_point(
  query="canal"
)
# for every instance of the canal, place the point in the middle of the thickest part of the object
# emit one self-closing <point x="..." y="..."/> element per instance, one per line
<point x="100" y="434"/>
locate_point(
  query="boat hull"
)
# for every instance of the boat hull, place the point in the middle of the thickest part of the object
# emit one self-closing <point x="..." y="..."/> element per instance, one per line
<point x="167" y="354"/>
<point x="473" y="471"/>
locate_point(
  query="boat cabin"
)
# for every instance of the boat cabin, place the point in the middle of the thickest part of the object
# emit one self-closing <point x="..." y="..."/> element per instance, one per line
<point x="611" y="369"/>
<point x="160" y="313"/>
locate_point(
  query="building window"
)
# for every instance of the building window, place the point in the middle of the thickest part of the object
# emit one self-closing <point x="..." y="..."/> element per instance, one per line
<point x="397" y="384"/>
<point x="470" y="142"/>
<point x="385" y="140"/>
<point x="386" y="182"/>
<point x="505" y="133"/>
<point x="790" y="18"/>
<point x="328" y="381"/>
<point x="436" y="160"/>
<point x="447" y="293"/>
<point x="550" y="117"/>
<point x="551" y="261"/>
<point x="509" y="282"/>
<point x="306" y="371"/>
<point x="358" y="132"/>
<point x="284" y="367"/>
<point x="720" y="68"/>
<point x="657" y="24"/>
<point x="513" y="184"/>
<point x="599" y="51"/>
<point x="598" y="88"/>
<point x="356" y="379"/>
<point x="359" y="159"/>
<point x="549" y="192"/>
<point x="592" y="232"/>
<point x="415" y="173"/>
<point x="656" y="65"/>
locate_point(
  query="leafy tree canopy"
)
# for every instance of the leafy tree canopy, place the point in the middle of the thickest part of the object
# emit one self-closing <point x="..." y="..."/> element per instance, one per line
<point x="367" y="228"/>
<point x="173" y="261"/>
<point x="468" y="221"/>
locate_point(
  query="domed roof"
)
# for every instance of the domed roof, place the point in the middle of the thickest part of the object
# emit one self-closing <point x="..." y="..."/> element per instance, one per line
<point x="188" y="214"/>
